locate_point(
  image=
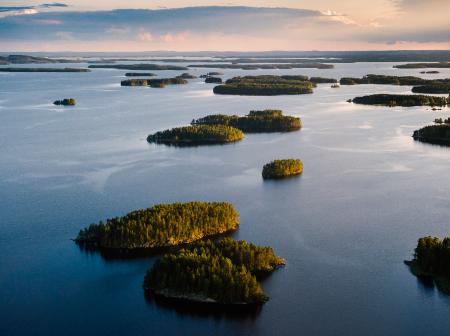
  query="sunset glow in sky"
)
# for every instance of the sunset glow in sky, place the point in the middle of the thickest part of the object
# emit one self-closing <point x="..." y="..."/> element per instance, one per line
<point x="82" y="25"/>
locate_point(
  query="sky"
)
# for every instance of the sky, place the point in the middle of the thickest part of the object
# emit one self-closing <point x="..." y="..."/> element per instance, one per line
<point x="176" y="25"/>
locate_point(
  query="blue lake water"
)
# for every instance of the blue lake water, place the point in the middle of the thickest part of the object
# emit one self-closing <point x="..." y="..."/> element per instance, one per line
<point x="368" y="192"/>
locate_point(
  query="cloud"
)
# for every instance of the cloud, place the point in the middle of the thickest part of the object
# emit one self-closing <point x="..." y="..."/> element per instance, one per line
<point x="216" y="28"/>
<point x="145" y="36"/>
<point x="28" y="10"/>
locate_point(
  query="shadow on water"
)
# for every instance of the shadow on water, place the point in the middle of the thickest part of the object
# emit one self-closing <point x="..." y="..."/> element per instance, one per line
<point x="204" y="310"/>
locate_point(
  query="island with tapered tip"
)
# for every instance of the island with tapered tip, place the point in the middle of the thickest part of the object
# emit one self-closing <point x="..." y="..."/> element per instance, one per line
<point x="210" y="272"/>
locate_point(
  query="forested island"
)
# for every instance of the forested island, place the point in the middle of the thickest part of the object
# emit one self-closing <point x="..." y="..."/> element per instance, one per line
<point x="140" y="74"/>
<point x="213" y="272"/>
<point x="162" y="225"/>
<point x="186" y="75"/>
<point x="154" y="82"/>
<point x="401" y="100"/>
<point x="429" y="72"/>
<point x="264" y="66"/>
<point x="432" y="260"/>
<point x="26" y="59"/>
<point x="142" y="66"/>
<point x="278" y="169"/>
<point x="255" y="121"/>
<point x="439" y="88"/>
<point x="216" y="80"/>
<point x="423" y="65"/>
<point x="266" y="85"/>
<point x="392" y="80"/>
<point x="65" y="102"/>
<point x="436" y="134"/>
<point x="44" y="70"/>
<point x="197" y="135"/>
<point x="322" y="80"/>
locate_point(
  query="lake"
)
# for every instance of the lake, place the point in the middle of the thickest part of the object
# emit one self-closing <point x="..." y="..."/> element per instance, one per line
<point x="367" y="193"/>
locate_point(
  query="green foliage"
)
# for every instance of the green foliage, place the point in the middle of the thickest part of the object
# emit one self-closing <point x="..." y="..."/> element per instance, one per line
<point x="266" y="85"/>
<point x="155" y="83"/>
<point x="219" y="271"/>
<point x="65" y="102"/>
<point x="401" y="100"/>
<point x="197" y="135"/>
<point x="256" y="121"/>
<point x="282" y="168"/>
<point x="423" y="65"/>
<point x="162" y="225"/>
<point x="437" y="134"/>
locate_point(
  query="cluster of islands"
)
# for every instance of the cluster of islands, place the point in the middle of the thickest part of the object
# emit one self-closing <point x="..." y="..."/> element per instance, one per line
<point x="208" y="271"/>
<point x="197" y="265"/>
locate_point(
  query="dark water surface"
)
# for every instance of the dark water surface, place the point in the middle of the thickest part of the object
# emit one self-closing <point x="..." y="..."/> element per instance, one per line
<point x="368" y="192"/>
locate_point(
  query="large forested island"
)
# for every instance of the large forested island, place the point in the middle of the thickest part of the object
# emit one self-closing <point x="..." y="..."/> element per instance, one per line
<point x="423" y="65"/>
<point x="10" y="69"/>
<point x="392" y="80"/>
<point x="154" y="82"/>
<point x="26" y="59"/>
<point x="255" y="121"/>
<point x="432" y="260"/>
<point x="436" y="134"/>
<point x="209" y="272"/>
<point x="197" y="135"/>
<point x="162" y="225"/>
<point x="401" y="100"/>
<point x="266" y="85"/>
<point x="278" y="169"/>
<point x="142" y="66"/>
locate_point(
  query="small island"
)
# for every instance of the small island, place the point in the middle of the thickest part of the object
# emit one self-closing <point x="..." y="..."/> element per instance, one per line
<point x="162" y="225"/>
<point x="429" y="72"/>
<point x="278" y="169"/>
<point x="154" y="83"/>
<point x="65" y="102"/>
<point x="392" y="100"/>
<point x="216" y="80"/>
<point x="186" y="75"/>
<point x="438" y="134"/>
<point x="140" y="74"/>
<point x="255" y="121"/>
<point x="322" y="80"/>
<point x="222" y="273"/>
<point x="423" y="65"/>
<point x="266" y="85"/>
<point x="142" y="66"/>
<point x="10" y="69"/>
<point x="197" y="135"/>
<point x="432" y="260"/>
